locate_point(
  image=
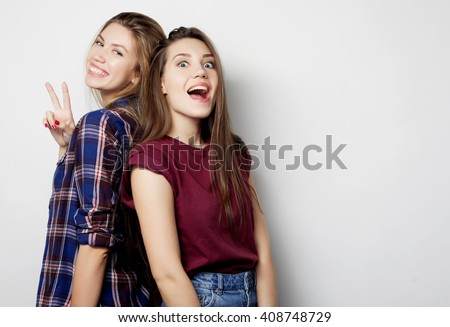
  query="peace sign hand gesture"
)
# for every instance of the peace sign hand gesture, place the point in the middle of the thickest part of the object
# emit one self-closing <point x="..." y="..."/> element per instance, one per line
<point x="60" y="122"/>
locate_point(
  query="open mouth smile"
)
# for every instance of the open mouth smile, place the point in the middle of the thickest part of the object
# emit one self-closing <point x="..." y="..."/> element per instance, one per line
<point x="199" y="92"/>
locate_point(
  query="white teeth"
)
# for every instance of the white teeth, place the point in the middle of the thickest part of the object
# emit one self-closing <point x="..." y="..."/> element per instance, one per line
<point x="198" y="87"/>
<point x="97" y="71"/>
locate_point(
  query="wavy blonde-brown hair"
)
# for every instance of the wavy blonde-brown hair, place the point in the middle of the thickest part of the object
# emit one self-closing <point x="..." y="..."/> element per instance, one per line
<point x="148" y="34"/>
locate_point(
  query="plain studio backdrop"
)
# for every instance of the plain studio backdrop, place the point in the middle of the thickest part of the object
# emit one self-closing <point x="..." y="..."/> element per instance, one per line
<point x="362" y="85"/>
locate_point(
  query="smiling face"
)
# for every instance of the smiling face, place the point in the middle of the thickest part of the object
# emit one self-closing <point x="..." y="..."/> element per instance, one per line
<point x="111" y="62"/>
<point x="190" y="80"/>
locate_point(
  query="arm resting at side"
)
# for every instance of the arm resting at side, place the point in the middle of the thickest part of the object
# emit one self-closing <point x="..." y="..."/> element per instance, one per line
<point x="266" y="285"/>
<point x="90" y="268"/>
<point x="153" y="199"/>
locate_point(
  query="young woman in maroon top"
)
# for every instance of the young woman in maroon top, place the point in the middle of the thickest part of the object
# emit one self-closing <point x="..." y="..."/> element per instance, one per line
<point x="204" y="232"/>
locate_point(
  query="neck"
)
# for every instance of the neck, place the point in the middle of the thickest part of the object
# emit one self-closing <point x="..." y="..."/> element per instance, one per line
<point x="187" y="133"/>
<point x="105" y="98"/>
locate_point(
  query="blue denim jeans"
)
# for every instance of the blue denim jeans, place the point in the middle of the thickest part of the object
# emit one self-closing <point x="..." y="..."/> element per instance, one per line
<point x="226" y="290"/>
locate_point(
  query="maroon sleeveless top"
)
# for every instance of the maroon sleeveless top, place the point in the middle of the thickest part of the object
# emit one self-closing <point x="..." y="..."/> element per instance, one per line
<point x="205" y="241"/>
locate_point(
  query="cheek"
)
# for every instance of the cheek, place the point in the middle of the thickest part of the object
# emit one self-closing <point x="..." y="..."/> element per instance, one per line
<point x="123" y="71"/>
<point x="215" y="89"/>
<point x="92" y="53"/>
<point x="131" y="70"/>
<point x="172" y="86"/>
<point x="88" y="59"/>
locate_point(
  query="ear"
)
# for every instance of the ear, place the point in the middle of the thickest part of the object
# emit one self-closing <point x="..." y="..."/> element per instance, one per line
<point x="135" y="79"/>
<point x="163" y="87"/>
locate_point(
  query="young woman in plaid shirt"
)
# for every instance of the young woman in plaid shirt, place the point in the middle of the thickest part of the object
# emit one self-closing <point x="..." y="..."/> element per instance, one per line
<point x="79" y="265"/>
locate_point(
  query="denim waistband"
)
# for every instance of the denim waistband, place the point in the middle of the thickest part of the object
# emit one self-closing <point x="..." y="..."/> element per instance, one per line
<point x="245" y="280"/>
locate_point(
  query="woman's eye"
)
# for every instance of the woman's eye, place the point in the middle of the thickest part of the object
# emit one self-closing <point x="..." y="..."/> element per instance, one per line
<point x="182" y="64"/>
<point x="118" y="53"/>
<point x="209" y="65"/>
<point x="99" y="43"/>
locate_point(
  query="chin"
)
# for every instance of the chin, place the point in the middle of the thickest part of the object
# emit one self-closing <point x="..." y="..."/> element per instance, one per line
<point x="89" y="82"/>
<point x="93" y="85"/>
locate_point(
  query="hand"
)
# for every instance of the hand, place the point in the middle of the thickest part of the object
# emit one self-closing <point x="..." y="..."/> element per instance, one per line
<point x="60" y="122"/>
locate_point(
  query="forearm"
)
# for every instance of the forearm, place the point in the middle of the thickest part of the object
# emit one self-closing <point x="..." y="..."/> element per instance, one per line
<point x="88" y="277"/>
<point x="176" y="289"/>
<point x="266" y="282"/>
<point x="266" y="285"/>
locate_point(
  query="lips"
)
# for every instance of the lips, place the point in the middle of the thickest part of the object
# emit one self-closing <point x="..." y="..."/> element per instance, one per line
<point x="96" y="72"/>
<point x="199" y="92"/>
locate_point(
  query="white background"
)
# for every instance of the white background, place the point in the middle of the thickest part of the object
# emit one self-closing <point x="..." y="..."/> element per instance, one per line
<point x="373" y="74"/>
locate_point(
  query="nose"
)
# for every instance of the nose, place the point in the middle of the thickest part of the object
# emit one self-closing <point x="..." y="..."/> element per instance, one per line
<point x="200" y="72"/>
<point x="100" y="55"/>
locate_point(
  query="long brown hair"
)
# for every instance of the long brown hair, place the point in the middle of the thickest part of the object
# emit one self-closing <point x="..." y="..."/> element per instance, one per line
<point x="228" y="182"/>
<point x="148" y="34"/>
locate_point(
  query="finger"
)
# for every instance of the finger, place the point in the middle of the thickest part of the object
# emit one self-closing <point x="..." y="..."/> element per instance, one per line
<point x="66" y="98"/>
<point x="53" y="96"/>
<point x="61" y="125"/>
<point x="50" y="116"/>
<point x="56" y="134"/>
<point x="45" y="123"/>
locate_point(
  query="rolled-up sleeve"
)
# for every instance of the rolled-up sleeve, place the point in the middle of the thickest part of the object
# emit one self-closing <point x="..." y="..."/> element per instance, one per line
<point x="97" y="176"/>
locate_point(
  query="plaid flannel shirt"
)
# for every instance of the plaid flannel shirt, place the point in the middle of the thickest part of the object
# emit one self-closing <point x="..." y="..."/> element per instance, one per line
<point x="85" y="188"/>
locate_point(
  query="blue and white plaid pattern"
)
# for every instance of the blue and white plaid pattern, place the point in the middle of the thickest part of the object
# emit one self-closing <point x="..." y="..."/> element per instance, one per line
<point x="85" y="188"/>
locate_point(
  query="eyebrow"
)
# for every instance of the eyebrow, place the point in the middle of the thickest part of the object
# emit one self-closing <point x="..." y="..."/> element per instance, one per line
<point x="190" y="56"/>
<point x="113" y="44"/>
